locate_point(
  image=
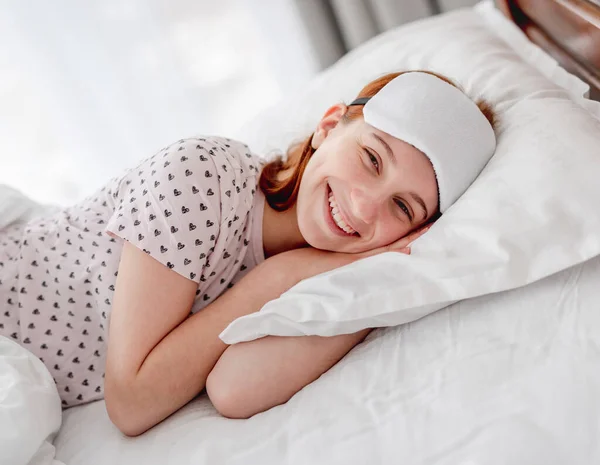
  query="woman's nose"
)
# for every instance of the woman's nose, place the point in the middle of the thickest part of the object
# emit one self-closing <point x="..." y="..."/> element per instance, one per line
<point x="364" y="205"/>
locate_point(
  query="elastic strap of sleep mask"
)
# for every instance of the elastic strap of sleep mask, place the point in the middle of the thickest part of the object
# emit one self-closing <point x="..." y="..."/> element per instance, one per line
<point x="360" y="101"/>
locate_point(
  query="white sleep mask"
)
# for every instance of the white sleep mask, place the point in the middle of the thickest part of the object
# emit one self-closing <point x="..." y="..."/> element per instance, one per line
<point x="439" y="120"/>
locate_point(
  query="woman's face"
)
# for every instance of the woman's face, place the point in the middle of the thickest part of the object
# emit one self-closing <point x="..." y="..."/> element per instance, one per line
<point x="362" y="188"/>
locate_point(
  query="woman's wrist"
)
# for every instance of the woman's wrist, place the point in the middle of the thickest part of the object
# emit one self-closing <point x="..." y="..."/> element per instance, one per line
<point x="299" y="264"/>
<point x="284" y="268"/>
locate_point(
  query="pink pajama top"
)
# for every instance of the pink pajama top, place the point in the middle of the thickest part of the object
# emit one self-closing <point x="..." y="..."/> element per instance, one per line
<point x="194" y="206"/>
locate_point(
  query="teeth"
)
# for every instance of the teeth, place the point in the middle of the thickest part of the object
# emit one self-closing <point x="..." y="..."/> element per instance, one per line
<point x="335" y="212"/>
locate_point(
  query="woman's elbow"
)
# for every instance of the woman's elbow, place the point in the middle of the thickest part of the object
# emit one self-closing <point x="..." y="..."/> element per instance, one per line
<point x="229" y="399"/>
<point x="121" y="411"/>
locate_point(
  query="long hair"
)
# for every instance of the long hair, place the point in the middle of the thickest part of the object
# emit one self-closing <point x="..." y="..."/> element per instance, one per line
<point x="281" y="192"/>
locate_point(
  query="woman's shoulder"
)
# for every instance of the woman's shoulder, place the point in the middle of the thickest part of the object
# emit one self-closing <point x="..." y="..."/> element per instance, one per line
<point x="196" y="150"/>
<point x="222" y="151"/>
<point x="193" y="196"/>
<point x="194" y="163"/>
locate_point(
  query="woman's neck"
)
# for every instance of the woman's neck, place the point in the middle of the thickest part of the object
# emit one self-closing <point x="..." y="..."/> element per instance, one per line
<point x="281" y="231"/>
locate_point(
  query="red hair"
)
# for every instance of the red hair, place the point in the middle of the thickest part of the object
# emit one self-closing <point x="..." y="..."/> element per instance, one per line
<point x="282" y="191"/>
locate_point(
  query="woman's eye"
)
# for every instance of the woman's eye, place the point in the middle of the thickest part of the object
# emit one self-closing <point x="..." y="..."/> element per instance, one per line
<point x="404" y="208"/>
<point x="373" y="159"/>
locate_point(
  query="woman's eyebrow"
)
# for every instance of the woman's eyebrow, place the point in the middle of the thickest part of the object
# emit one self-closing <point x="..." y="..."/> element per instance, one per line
<point x="419" y="200"/>
<point x="386" y="146"/>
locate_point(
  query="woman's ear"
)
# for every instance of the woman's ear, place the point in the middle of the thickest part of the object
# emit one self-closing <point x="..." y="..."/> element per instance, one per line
<point x="329" y="121"/>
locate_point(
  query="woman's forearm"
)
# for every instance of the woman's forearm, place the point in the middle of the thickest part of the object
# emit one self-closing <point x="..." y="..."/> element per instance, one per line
<point x="254" y="376"/>
<point x="175" y="371"/>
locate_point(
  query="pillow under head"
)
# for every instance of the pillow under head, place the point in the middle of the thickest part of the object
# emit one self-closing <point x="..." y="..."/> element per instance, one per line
<point x="532" y="212"/>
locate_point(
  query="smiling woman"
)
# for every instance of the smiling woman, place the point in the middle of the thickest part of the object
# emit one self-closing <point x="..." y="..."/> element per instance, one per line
<point x="375" y="188"/>
<point x="123" y="295"/>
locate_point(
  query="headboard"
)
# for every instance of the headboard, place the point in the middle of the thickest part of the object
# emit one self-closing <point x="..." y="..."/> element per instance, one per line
<point x="569" y="30"/>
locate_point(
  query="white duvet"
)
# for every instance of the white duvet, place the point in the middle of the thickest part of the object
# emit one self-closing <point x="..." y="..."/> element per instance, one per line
<point x="30" y="411"/>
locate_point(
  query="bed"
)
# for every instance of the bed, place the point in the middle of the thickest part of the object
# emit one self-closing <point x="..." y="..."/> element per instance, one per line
<point x="567" y="29"/>
<point x="511" y="378"/>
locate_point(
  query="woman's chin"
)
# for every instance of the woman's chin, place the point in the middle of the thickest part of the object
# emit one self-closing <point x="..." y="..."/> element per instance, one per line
<point x="317" y="239"/>
<point x="331" y="246"/>
<point x="321" y="243"/>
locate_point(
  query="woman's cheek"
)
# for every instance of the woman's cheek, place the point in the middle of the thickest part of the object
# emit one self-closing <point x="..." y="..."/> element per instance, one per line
<point x="351" y="165"/>
<point x="393" y="232"/>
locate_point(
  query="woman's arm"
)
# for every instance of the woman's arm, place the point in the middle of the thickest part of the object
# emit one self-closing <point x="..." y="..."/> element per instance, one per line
<point x="157" y="359"/>
<point x="254" y="376"/>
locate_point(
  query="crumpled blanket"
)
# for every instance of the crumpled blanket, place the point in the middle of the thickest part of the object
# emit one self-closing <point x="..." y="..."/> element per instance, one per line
<point x="16" y="206"/>
<point x="30" y="410"/>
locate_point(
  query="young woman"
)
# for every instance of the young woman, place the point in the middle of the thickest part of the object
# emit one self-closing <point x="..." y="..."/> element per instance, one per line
<point x="108" y="292"/>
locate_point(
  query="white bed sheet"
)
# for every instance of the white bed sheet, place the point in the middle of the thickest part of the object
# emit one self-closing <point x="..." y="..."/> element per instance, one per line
<point x="511" y="378"/>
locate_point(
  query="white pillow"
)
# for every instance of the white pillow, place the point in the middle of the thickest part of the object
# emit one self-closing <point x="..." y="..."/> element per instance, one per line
<point x="532" y="212"/>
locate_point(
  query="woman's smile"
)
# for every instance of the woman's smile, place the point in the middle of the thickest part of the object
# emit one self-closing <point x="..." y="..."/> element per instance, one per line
<point x="334" y="217"/>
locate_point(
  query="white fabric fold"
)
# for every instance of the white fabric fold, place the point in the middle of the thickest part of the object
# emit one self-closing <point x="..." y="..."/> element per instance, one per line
<point x="30" y="409"/>
<point x="16" y="206"/>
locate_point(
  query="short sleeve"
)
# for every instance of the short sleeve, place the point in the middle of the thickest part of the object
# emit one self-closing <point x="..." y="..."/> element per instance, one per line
<point x="169" y="206"/>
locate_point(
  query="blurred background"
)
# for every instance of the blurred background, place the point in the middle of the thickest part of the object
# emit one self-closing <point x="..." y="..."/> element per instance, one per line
<point x="89" y="88"/>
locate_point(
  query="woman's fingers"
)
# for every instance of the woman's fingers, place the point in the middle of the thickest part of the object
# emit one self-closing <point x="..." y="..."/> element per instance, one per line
<point x="396" y="248"/>
<point x="401" y="245"/>
<point x="421" y="231"/>
<point x="413" y="236"/>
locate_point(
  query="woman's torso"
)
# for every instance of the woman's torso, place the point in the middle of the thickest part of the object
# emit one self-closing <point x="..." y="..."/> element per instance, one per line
<point x="58" y="273"/>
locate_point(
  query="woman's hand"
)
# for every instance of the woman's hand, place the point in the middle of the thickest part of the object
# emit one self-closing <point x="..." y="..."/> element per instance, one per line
<point x="309" y="262"/>
<point x="402" y="245"/>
